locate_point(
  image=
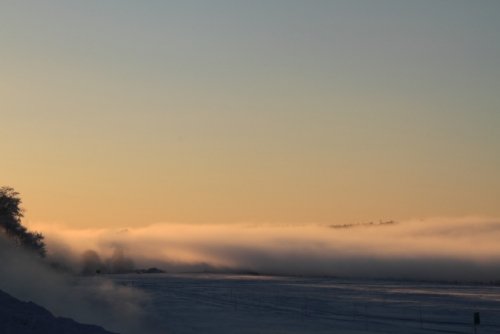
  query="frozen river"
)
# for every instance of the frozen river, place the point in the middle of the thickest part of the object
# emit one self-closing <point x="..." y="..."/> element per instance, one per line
<point x="199" y="303"/>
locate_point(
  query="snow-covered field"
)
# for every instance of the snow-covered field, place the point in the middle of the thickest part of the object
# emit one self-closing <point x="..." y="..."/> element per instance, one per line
<point x="199" y="303"/>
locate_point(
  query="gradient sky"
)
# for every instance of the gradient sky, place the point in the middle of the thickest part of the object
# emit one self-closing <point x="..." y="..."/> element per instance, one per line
<point x="117" y="113"/>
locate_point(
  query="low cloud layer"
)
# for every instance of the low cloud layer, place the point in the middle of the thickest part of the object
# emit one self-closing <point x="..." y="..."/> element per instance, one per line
<point x="462" y="249"/>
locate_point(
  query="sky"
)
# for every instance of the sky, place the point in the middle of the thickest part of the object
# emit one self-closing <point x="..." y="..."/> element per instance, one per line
<point x="129" y="113"/>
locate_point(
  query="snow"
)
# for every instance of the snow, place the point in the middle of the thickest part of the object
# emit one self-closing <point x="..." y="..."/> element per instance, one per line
<point x="202" y="303"/>
<point x="18" y="317"/>
<point x="206" y="303"/>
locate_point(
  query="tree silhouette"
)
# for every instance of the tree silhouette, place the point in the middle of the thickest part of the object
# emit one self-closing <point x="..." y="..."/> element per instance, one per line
<point x="11" y="214"/>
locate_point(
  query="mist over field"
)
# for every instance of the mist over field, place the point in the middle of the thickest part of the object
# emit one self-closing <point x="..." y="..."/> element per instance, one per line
<point x="221" y="167"/>
<point x="97" y="301"/>
<point x="461" y="249"/>
<point x="436" y="249"/>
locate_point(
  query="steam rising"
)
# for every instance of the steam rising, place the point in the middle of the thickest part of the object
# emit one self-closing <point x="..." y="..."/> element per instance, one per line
<point x="444" y="248"/>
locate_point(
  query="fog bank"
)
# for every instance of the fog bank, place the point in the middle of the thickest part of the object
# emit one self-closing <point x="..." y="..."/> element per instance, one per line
<point x="434" y="249"/>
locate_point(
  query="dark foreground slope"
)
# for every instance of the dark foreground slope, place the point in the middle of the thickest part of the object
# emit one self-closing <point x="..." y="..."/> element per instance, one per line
<point x="17" y="317"/>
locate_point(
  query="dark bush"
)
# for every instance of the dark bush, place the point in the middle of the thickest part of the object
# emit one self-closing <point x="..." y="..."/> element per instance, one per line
<point x="11" y="214"/>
